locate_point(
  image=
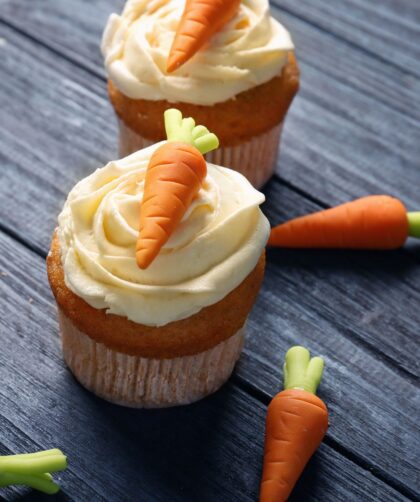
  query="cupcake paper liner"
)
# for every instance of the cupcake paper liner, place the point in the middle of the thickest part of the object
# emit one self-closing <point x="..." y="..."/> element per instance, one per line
<point x="140" y="382"/>
<point x="254" y="158"/>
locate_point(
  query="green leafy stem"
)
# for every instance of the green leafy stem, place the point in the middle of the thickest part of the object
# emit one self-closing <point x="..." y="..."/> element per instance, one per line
<point x="32" y="469"/>
<point x="185" y="130"/>
<point x="301" y="371"/>
<point x="414" y="224"/>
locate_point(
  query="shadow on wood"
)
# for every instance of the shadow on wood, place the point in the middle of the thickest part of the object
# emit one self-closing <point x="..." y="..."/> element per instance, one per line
<point x="34" y="496"/>
<point x="398" y="262"/>
<point x="167" y="446"/>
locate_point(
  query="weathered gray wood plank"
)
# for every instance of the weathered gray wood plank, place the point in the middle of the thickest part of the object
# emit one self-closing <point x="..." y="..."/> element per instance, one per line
<point x="338" y="146"/>
<point x="388" y="29"/>
<point x="69" y="130"/>
<point x="47" y="111"/>
<point x="208" y="451"/>
<point x="336" y="59"/>
<point x="72" y="28"/>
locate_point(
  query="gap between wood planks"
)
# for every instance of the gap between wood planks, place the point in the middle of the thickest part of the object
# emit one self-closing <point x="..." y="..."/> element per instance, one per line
<point x="261" y="396"/>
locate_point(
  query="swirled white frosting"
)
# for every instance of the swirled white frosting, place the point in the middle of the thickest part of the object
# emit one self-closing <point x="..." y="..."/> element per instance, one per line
<point x="217" y="244"/>
<point x="250" y="50"/>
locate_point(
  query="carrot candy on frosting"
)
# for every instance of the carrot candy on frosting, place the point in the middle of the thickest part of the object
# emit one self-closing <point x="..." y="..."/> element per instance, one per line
<point x="200" y="20"/>
<point x="373" y="222"/>
<point x="173" y="179"/>
<point x="297" y="421"/>
<point x="32" y="469"/>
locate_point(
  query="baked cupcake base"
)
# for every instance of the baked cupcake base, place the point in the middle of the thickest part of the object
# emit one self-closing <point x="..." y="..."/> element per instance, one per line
<point x="144" y="366"/>
<point x="140" y="382"/>
<point x="255" y="158"/>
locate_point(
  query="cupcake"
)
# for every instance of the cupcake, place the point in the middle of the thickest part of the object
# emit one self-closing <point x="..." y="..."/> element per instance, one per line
<point x="155" y="265"/>
<point x="239" y="80"/>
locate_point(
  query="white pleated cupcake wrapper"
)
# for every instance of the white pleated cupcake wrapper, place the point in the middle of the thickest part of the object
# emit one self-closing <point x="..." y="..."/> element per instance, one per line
<point x="141" y="382"/>
<point x="255" y="158"/>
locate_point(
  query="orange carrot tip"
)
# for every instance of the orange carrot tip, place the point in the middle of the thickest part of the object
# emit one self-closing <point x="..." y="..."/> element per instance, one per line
<point x="373" y="222"/>
<point x="174" y="176"/>
<point x="184" y="130"/>
<point x="297" y="421"/>
<point x="200" y="20"/>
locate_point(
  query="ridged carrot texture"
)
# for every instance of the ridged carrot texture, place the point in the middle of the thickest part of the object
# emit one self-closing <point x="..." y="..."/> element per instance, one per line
<point x="174" y="176"/>
<point x="200" y="20"/>
<point x="373" y="222"/>
<point x="297" y="421"/>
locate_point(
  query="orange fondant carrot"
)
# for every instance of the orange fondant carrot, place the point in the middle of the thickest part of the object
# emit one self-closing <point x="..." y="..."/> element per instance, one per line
<point x="296" y="423"/>
<point x="174" y="176"/>
<point x="200" y="20"/>
<point x="374" y="222"/>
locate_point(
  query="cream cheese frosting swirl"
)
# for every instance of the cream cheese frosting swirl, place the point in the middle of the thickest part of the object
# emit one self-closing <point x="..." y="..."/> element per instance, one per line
<point x="250" y="50"/>
<point x="215" y="247"/>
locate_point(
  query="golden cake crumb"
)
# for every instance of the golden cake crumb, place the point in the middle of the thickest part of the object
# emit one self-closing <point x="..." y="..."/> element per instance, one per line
<point x="193" y="335"/>
<point x="248" y="114"/>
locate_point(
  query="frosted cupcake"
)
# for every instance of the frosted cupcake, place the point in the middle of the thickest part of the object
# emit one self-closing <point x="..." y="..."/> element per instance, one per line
<point x="240" y="83"/>
<point x="156" y="317"/>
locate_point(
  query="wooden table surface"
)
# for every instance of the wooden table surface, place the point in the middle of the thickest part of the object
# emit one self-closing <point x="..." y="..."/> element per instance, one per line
<point x="353" y="130"/>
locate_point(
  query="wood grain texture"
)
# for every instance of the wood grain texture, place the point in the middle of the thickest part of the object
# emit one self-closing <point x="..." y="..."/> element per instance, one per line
<point x="341" y="309"/>
<point x="48" y="107"/>
<point x="355" y="125"/>
<point x="354" y="128"/>
<point x="332" y="56"/>
<point x="355" y="121"/>
<point x="73" y="29"/>
<point x="208" y="451"/>
<point x="388" y="30"/>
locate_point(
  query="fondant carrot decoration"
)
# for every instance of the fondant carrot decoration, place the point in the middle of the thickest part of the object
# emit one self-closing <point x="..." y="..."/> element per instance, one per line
<point x="374" y="222"/>
<point x="296" y="423"/>
<point x="32" y="469"/>
<point x="174" y="176"/>
<point x="200" y="20"/>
